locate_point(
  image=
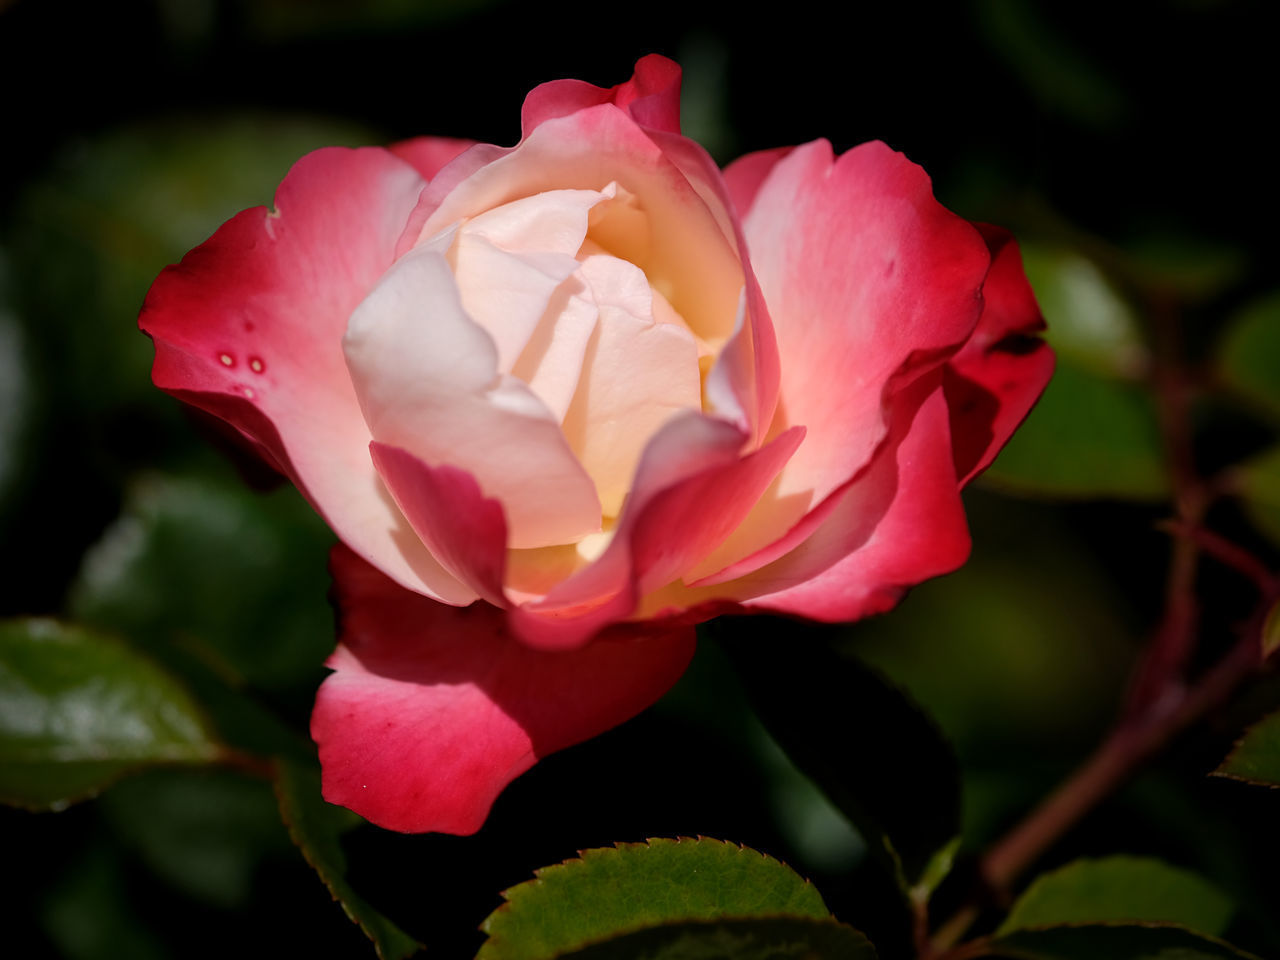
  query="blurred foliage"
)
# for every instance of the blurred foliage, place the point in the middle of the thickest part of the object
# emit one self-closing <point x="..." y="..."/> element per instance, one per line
<point x="900" y="789"/>
<point x="1121" y="144"/>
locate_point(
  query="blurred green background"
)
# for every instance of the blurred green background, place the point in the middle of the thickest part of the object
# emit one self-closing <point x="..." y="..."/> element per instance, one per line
<point x="1128" y="145"/>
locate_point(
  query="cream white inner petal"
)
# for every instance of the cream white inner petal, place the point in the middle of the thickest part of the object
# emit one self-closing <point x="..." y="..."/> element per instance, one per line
<point x="637" y="373"/>
<point x="428" y="382"/>
<point x="551" y="362"/>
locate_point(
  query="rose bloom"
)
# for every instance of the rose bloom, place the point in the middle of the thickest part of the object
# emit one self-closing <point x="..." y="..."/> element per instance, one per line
<point x="562" y="401"/>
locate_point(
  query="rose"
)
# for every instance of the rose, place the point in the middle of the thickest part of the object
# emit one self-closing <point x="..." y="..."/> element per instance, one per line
<point x="561" y="401"/>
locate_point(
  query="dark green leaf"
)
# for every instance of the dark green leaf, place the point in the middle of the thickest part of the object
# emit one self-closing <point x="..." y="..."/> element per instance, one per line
<point x="1089" y="324"/>
<point x="1249" y="355"/>
<point x="315" y="827"/>
<point x="631" y="886"/>
<point x="1121" y="889"/>
<point x="1271" y="631"/>
<point x="110" y="212"/>
<point x="78" y="710"/>
<point x="89" y="914"/>
<point x="16" y="400"/>
<point x="205" y="832"/>
<point x="1256" y="757"/>
<point x="184" y="548"/>
<point x="1089" y="436"/>
<point x="777" y="938"/>
<point x="1257" y="483"/>
<point x="1113" y="942"/>
<point x="881" y="760"/>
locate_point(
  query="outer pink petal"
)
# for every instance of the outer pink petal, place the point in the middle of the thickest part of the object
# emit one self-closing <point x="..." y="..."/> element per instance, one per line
<point x="651" y="97"/>
<point x="870" y="283"/>
<point x="445" y="507"/>
<point x="428" y="155"/>
<point x="863" y="271"/>
<point x="249" y="327"/>
<point x="898" y="524"/>
<point x="744" y="176"/>
<point x="995" y="379"/>
<point x="432" y="710"/>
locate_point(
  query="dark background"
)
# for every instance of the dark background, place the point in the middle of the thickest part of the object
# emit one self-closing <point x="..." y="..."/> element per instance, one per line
<point x="1136" y="131"/>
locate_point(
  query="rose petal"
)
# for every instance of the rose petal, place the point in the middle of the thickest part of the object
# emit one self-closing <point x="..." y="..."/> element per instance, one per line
<point x="745" y="176"/>
<point x="870" y="282"/>
<point x="651" y="97"/>
<point x="427" y="380"/>
<point x="428" y="155"/>
<point x="432" y="709"/>
<point x="636" y="374"/>
<point x="899" y="523"/>
<point x="744" y="383"/>
<point x="695" y="267"/>
<point x="249" y="328"/>
<point x="997" y="376"/>
<point x="692" y="487"/>
<point x="445" y="507"/>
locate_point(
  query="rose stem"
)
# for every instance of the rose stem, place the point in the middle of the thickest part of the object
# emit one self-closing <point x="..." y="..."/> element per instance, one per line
<point x="1159" y="705"/>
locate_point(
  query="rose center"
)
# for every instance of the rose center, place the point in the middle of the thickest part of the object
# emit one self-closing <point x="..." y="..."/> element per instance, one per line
<point x="553" y="280"/>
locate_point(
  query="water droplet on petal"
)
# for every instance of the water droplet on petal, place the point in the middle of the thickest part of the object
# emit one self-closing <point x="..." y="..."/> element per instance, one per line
<point x="248" y="392"/>
<point x="256" y="364"/>
<point x="227" y="359"/>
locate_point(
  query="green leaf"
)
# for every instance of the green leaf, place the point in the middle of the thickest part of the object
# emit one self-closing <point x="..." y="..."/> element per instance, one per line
<point x="1089" y="324"/>
<point x="1256" y="757"/>
<point x="92" y="233"/>
<point x="206" y="832"/>
<point x="1257" y="483"/>
<point x="1271" y="631"/>
<point x="1113" y="942"/>
<point x="866" y="745"/>
<point x="632" y="886"/>
<point x="90" y="913"/>
<point x="220" y="566"/>
<point x="1088" y="437"/>
<point x="17" y="402"/>
<point x="1121" y="888"/>
<point x="774" y="938"/>
<point x="315" y="827"/>
<point x="78" y="710"/>
<point x="1249" y="355"/>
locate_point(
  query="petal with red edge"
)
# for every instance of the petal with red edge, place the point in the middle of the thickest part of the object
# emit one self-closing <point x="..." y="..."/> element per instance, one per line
<point x="445" y="507"/>
<point x="651" y="97"/>
<point x="249" y="327"/>
<point x="692" y="487"/>
<point x="899" y="523"/>
<point x="870" y="282"/>
<point x="744" y="176"/>
<point x="999" y="374"/>
<point x="427" y="380"/>
<point x="432" y="710"/>
<point x="695" y="266"/>
<point x="428" y="155"/>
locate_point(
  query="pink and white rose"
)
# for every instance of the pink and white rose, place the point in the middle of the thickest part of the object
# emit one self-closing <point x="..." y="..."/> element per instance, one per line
<point x="563" y="400"/>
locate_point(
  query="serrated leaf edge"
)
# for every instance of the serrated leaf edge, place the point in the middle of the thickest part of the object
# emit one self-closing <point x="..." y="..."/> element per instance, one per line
<point x="994" y="940"/>
<point x="1235" y="748"/>
<point x="288" y="815"/>
<point x="703" y="921"/>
